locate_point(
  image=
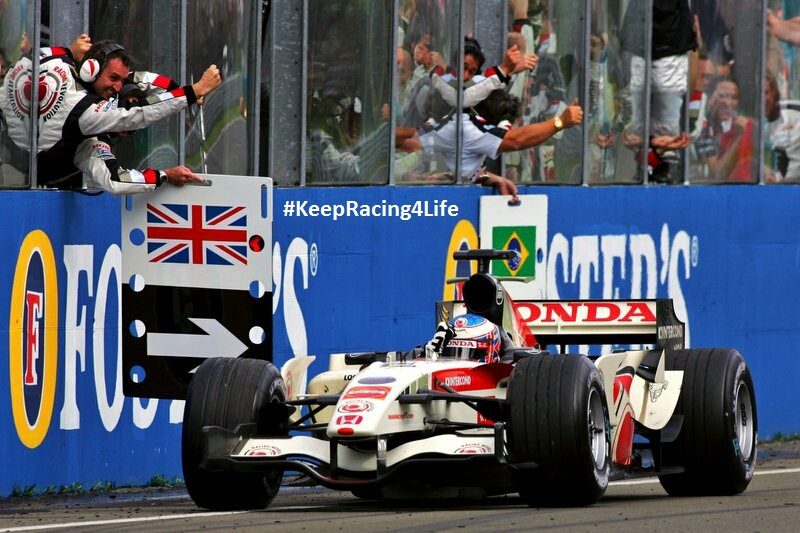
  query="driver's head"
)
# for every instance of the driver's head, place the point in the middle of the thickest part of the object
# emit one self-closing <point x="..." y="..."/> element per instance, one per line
<point x="115" y="65"/>
<point x="476" y="339"/>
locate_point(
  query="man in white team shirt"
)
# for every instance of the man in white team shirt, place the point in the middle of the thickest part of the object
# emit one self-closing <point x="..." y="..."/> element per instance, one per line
<point x="487" y="132"/>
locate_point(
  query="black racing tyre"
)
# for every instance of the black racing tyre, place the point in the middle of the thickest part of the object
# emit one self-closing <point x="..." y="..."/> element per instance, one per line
<point x="559" y="420"/>
<point x="719" y="437"/>
<point x="227" y="392"/>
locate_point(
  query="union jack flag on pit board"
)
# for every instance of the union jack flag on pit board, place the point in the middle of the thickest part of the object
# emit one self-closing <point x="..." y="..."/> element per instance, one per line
<point x="196" y="234"/>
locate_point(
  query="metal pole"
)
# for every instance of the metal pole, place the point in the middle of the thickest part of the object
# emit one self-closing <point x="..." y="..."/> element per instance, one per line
<point x="395" y="89"/>
<point x="34" y="21"/>
<point x="585" y="43"/>
<point x="648" y="57"/>
<point x="182" y="70"/>
<point x="254" y="88"/>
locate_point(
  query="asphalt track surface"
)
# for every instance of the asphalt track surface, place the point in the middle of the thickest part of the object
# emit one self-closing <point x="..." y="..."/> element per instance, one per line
<point x="771" y="503"/>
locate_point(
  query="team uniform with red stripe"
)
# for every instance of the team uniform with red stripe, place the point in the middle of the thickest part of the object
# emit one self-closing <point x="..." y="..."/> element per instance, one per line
<point x="73" y="119"/>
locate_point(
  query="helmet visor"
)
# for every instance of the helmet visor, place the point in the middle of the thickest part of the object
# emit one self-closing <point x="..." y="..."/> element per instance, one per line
<point x="466" y="349"/>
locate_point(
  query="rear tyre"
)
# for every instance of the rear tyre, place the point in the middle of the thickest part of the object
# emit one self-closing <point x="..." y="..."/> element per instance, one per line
<point x="559" y="420"/>
<point x="228" y="392"/>
<point x="719" y="437"/>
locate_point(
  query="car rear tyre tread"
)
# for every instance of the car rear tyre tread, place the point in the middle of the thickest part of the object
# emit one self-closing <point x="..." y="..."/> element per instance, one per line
<point x="705" y="447"/>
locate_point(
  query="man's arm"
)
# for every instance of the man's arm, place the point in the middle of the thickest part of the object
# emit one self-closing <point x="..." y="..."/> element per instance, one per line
<point x="785" y="30"/>
<point x="96" y="160"/>
<point x="106" y="117"/>
<point x="532" y="135"/>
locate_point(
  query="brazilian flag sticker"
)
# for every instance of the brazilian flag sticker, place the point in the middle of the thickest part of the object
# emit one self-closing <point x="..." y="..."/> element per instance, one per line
<point x="519" y="238"/>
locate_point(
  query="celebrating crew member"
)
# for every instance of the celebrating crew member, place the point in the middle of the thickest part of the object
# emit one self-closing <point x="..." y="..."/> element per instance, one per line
<point x="76" y="106"/>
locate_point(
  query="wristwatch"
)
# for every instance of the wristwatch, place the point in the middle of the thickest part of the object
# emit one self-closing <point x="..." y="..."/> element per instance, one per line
<point x="162" y="177"/>
<point x="557" y="123"/>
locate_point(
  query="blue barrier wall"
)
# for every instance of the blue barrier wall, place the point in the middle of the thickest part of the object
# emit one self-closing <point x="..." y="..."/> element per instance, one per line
<point x="729" y="256"/>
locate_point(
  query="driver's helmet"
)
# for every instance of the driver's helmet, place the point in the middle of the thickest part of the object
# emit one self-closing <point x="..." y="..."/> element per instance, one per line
<point x="476" y="339"/>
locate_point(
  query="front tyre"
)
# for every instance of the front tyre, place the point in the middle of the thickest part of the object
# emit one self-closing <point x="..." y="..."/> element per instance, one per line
<point x="559" y="420"/>
<point x="719" y="437"/>
<point x="228" y="392"/>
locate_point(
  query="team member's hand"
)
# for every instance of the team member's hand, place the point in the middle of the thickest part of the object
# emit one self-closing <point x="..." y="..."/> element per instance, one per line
<point x="503" y="186"/>
<point x="526" y="62"/>
<point x="573" y="115"/>
<point x="180" y="175"/>
<point x="511" y="58"/>
<point x="210" y="81"/>
<point x="80" y="47"/>
<point x="438" y="60"/>
<point x="671" y="142"/>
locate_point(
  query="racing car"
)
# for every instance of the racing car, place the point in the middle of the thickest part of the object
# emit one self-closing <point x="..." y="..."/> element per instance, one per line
<point x="491" y="405"/>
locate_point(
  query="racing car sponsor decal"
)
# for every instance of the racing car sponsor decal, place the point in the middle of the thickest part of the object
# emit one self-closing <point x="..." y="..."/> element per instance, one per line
<point x="355" y="406"/>
<point x="349" y="420"/>
<point x="462" y="343"/>
<point x="482" y="420"/>
<point x="376" y="380"/>
<point x="537" y="313"/>
<point x="401" y="416"/>
<point x="476" y="378"/>
<point x="378" y="393"/>
<point x="472" y="449"/>
<point x="622" y="447"/>
<point x="264" y="450"/>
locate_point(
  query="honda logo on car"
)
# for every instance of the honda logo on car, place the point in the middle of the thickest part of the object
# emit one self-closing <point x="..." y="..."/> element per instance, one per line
<point x="583" y="312"/>
<point x="461" y="343"/>
<point x="350" y="420"/>
<point x="378" y="393"/>
<point x="355" y="406"/>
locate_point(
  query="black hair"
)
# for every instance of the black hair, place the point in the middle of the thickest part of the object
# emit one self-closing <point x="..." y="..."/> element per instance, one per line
<point x="106" y="50"/>
<point x="473" y="48"/>
<point x="499" y="106"/>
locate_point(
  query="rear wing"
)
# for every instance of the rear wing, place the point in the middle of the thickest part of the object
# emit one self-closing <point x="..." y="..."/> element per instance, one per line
<point x="563" y="322"/>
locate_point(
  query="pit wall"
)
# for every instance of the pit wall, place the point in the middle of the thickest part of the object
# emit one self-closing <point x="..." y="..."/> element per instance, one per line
<point x="729" y="256"/>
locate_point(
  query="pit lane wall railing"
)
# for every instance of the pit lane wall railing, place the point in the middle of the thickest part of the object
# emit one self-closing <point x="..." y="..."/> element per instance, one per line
<point x="727" y="256"/>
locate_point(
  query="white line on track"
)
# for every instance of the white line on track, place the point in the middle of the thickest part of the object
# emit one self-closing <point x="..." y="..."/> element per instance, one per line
<point x="120" y="521"/>
<point x="758" y="473"/>
<point x="290" y="508"/>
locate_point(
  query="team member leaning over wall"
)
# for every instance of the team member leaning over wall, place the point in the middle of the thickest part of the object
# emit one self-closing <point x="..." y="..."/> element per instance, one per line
<point x="79" y="104"/>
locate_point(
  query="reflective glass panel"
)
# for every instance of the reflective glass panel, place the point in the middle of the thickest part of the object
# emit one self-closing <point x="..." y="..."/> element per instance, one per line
<point x="348" y="95"/>
<point x="555" y="35"/>
<point x="151" y="35"/>
<point x="15" y="71"/>
<point x="725" y="82"/>
<point x="781" y="150"/>
<point x="617" y="39"/>
<point x="216" y="134"/>
<point x="427" y="144"/>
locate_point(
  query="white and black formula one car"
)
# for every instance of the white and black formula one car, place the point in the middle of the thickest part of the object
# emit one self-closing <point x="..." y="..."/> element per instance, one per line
<point x="479" y="411"/>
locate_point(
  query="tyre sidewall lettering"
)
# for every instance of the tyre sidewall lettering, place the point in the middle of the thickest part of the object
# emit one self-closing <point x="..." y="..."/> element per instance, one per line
<point x="740" y="376"/>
